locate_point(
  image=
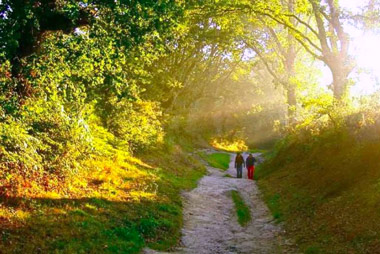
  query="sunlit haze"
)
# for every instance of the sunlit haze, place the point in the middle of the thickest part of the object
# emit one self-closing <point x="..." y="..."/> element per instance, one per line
<point x="364" y="48"/>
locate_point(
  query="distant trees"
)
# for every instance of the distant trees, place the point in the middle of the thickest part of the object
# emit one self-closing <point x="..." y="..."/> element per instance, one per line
<point x="277" y="50"/>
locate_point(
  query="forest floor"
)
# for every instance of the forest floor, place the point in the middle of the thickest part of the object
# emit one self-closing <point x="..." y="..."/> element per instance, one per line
<point x="211" y="223"/>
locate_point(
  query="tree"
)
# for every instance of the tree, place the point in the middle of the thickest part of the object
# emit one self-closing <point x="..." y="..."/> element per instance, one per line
<point x="282" y="44"/>
<point x="25" y="24"/>
<point x="71" y="71"/>
<point x="325" y="39"/>
<point x="334" y="43"/>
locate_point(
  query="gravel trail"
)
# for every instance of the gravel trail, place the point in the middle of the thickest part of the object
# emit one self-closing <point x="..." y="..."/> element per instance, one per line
<point x="210" y="220"/>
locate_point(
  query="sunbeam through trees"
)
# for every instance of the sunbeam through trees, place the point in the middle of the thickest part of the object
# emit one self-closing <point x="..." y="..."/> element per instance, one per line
<point x="106" y="107"/>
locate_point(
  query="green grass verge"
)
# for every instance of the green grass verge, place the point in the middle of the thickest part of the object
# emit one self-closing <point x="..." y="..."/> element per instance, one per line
<point x="217" y="160"/>
<point x="242" y="210"/>
<point x="326" y="191"/>
<point x="102" y="225"/>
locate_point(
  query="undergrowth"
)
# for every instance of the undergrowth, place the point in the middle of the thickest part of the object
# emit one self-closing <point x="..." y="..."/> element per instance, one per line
<point x="118" y="205"/>
<point x="325" y="186"/>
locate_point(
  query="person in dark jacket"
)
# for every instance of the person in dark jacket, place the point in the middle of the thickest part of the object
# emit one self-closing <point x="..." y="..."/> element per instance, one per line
<point x="250" y="164"/>
<point x="239" y="163"/>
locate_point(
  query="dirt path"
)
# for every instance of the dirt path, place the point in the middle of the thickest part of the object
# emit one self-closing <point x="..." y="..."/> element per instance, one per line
<point x="210" y="221"/>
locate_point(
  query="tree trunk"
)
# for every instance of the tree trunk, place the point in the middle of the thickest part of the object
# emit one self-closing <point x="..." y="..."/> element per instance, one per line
<point x="334" y="46"/>
<point x="340" y="67"/>
<point x="340" y="78"/>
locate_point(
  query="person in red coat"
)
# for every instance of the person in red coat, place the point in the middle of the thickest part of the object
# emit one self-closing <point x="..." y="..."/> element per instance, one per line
<point x="250" y="164"/>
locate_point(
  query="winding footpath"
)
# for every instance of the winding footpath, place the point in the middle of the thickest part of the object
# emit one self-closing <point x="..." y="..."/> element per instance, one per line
<point x="210" y="220"/>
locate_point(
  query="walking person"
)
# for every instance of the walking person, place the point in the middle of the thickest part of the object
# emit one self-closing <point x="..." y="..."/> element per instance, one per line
<point x="239" y="163"/>
<point x="250" y="164"/>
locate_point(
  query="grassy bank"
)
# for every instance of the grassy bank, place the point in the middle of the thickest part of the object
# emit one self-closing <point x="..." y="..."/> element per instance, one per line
<point x="119" y="205"/>
<point x="217" y="160"/>
<point x="242" y="210"/>
<point x="326" y="188"/>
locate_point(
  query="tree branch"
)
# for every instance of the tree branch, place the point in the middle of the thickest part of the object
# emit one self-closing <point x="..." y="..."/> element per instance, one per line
<point x="266" y="64"/>
<point x="292" y="28"/>
<point x="321" y="28"/>
<point x="309" y="50"/>
<point x="277" y="41"/>
<point x="303" y="23"/>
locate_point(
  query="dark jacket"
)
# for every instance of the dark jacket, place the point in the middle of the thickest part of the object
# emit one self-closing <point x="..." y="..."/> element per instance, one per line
<point x="239" y="161"/>
<point x="250" y="161"/>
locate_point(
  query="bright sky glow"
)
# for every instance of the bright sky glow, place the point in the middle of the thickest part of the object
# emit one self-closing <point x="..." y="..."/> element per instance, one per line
<point x="365" y="48"/>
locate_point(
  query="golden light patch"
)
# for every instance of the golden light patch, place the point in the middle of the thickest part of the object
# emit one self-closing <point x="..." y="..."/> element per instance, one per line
<point x="226" y="145"/>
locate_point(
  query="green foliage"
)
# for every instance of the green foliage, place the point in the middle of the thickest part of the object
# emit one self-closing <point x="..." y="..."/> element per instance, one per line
<point x="313" y="250"/>
<point x="8" y="98"/>
<point x="136" y="125"/>
<point x="81" y="81"/>
<point x="33" y="19"/>
<point x="242" y="210"/>
<point x="70" y="72"/>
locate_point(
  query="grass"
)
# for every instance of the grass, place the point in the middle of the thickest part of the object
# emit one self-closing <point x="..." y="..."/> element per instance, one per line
<point x="242" y="210"/>
<point x="119" y="205"/>
<point x="326" y="191"/>
<point x="217" y="160"/>
<point x="258" y="150"/>
<point x="274" y="207"/>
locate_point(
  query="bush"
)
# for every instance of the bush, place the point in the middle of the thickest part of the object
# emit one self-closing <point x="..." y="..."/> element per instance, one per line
<point x="135" y="124"/>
